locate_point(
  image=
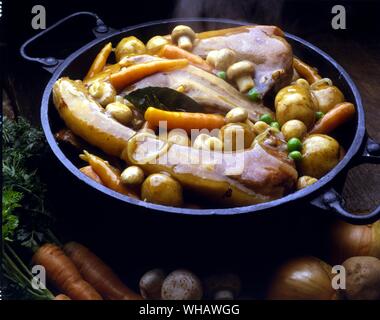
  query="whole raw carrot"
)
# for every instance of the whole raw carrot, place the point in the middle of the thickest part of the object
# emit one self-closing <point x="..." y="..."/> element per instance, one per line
<point x="63" y="273"/>
<point x="174" y="52"/>
<point x="133" y="73"/>
<point x="184" y="120"/>
<point x="96" y="272"/>
<point x="306" y="71"/>
<point x="100" y="61"/>
<point x="341" y="113"/>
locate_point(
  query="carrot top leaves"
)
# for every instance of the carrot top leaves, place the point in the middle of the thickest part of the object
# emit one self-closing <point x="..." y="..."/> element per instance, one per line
<point x="23" y="193"/>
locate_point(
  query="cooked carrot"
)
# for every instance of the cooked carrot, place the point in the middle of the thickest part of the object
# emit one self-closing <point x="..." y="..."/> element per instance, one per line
<point x="306" y="71"/>
<point x="89" y="172"/>
<point x="63" y="273"/>
<point x="184" y="120"/>
<point x="98" y="274"/>
<point x="99" y="62"/>
<point x="341" y="113"/>
<point x="61" y="297"/>
<point x="131" y="74"/>
<point x="109" y="175"/>
<point x="174" y="52"/>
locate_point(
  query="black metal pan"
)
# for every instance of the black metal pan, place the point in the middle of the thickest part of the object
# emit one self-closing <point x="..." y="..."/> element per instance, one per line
<point x="323" y="194"/>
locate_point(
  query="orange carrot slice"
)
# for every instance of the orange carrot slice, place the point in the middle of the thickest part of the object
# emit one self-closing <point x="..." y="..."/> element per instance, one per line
<point x="341" y="113"/>
<point x="174" y="52"/>
<point x="131" y="74"/>
<point x="184" y="120"/>
<point x="100" y="61"/>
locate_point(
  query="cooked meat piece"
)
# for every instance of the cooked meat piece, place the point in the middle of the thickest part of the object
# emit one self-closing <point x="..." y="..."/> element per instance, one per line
<point x="265" y="46"/>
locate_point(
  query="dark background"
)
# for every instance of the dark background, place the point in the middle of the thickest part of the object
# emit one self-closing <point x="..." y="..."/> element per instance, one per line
<point x="357" y="49"/>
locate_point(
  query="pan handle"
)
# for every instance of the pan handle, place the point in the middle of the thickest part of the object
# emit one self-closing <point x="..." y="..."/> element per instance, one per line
<point x="332" y="200"/>
<point x="50" y="63"/>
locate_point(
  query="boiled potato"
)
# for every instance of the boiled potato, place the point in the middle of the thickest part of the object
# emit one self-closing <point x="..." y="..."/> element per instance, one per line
<point x="305" y="181"/>
<point x="162" y="189"/>
<point x="327" y="96"/>
<point x="295" y="102"/>
<point x="236" y="136"/>
<point x="293" y="129"/>
<point x="320" y="153"/>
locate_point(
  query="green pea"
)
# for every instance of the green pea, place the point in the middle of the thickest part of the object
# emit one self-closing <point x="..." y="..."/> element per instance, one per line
<point x="222" y="75"/>
<point x="267" y="118"/>
<point x="294" y="144"/>
<point x="275" y="125"/>
<point x="319" y="115"/>
<point x="254" y="95"/>
<point x="295" y="155"/>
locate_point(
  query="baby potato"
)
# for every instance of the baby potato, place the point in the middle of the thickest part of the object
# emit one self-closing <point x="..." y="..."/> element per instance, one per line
<point x="128" y="46"/>
<point x="162" y="189"/>
<point x="236" y="136"/>
<point x="327" y="96"/>
<point x="305" y="181"/>
<point x="293" y="129"/>
<point x="320" y="153"/>
<point x="295" y="102"/>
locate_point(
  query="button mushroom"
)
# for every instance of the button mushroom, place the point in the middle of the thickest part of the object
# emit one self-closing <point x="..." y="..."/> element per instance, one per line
<point x="223" y="287"/>
<point x="183" y="36"/>
<point x="236" y="115"/>
<point x="181" y="285"/>
<point x="151" y="284"/>
<point x="129" y="46"/>
<point x="120" y="112"/>
<point x="103" y="92"/>
<point x="155" y="44"/>
<point x="241" y="72"/>
<point x="221" y="59"/>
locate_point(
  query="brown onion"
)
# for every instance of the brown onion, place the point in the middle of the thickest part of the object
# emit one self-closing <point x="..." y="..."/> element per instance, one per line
<point x="305" y="278"/>
<point x="349" y="240"/>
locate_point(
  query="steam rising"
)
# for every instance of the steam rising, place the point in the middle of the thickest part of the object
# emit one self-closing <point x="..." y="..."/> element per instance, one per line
<point x="262" y="12"/>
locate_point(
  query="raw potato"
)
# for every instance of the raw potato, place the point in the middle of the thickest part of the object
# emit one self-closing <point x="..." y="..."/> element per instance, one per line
<point x="327" y="96"/>
<point x="162" y="189"/>
<point x="294" y="129"/>
<point x="320" y="153"/>
<point x="362" y="278"/>
<point x="295" y="102"/>
<point x="181" y="285"/>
